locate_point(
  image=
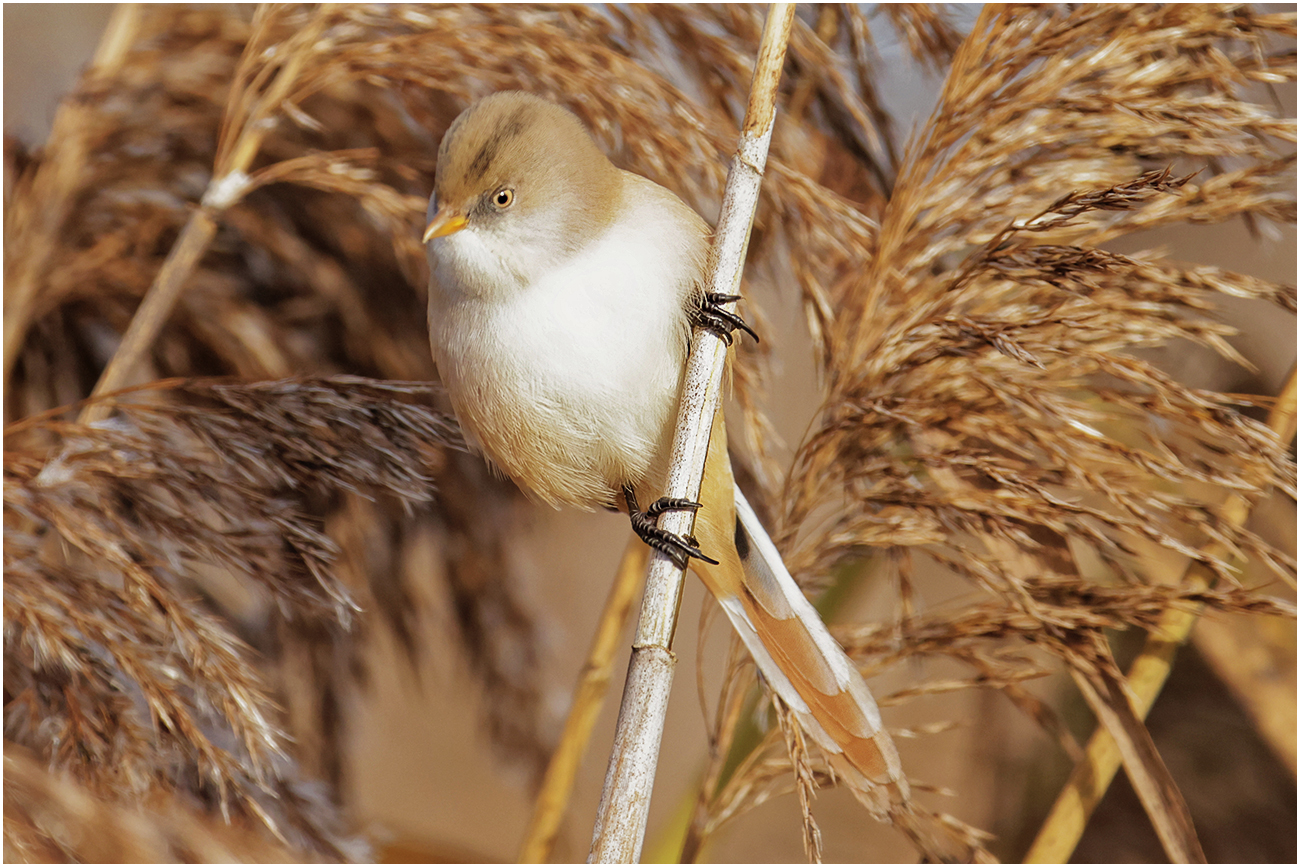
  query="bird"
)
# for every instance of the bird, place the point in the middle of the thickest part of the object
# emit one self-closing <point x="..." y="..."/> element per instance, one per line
<point x="563" y="294"/>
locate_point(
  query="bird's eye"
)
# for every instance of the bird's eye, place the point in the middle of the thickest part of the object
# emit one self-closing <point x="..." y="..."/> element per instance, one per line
<point x="503" y="198"/>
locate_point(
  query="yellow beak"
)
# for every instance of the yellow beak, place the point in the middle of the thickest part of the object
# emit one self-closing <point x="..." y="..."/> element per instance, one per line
<point x="445" y="222"/>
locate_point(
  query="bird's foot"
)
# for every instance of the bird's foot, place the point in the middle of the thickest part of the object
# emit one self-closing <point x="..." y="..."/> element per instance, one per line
<point x="679" y="548"/>
<point x="721" y="322"/>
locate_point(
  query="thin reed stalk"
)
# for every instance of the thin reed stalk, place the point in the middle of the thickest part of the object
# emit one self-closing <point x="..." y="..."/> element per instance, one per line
<point x="625" y="801"/>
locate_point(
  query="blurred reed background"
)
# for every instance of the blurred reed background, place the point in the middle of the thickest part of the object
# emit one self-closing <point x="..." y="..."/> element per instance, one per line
<point x="298" y="605"/>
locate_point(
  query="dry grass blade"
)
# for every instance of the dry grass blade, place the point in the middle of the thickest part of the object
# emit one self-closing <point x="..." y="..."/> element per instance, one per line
<point x="1103" y="688"/>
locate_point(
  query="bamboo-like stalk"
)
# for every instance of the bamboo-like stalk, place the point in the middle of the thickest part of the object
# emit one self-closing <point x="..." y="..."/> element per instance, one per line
<point x="1063" y="828"/>
<point x="625" y="801"/>
<point x="153" y="312"/>
<point x="239" y="146"/>
<point x="588" y="698"/>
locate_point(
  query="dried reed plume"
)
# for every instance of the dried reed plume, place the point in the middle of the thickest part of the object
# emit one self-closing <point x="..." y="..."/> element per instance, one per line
<point x="194" y="570"/>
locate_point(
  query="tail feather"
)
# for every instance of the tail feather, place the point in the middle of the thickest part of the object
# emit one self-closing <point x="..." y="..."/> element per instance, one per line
<point x="800" y="660"/>
<point x="805" y="666"/>
<point x="820" y="672"/>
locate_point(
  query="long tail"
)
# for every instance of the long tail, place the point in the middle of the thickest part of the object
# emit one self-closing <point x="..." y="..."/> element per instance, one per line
<point x="797" y="655"/>
<point x="822" y="686"/>
<point x="806" y="666"/>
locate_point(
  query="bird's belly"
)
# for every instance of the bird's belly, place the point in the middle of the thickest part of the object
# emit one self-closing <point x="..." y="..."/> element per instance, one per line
<point x="571" y="405"/>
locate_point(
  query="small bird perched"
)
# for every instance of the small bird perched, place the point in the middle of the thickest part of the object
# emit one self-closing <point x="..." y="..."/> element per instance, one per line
<point x="562" y="295"/>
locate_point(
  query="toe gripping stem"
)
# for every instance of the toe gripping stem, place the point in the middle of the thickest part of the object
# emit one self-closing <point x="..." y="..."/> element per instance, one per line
<point x="680" y="549"/>
<point x="721" y="322"/>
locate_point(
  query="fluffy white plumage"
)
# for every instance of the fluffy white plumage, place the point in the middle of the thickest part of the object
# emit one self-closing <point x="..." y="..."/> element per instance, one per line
<point x="527" y="360"/>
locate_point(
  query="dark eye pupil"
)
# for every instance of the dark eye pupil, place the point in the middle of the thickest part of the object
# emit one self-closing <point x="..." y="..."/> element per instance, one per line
<point x="503" y="197"/>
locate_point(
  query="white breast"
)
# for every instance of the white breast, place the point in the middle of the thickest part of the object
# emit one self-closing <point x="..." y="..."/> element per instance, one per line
<point x="570" y="383"/>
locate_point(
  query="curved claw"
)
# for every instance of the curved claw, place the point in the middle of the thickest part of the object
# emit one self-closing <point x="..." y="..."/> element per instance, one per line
<point x="680" y="549"/>
<point x="670" y="504"/>
<point x="721" y="322"/>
